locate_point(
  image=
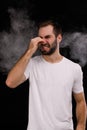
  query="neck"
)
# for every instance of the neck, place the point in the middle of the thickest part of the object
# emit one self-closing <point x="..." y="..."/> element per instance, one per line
<point x="55" y="57"/>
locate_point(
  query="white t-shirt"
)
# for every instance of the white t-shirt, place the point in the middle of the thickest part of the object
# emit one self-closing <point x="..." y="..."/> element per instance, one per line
<point x="50" y="94"/>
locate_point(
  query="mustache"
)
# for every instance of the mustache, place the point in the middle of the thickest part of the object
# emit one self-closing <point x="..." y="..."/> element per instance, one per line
<point x="40" y="45"/>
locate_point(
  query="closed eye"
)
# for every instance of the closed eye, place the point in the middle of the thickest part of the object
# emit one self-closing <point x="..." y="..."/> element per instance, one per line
<point x="48" y="36"/>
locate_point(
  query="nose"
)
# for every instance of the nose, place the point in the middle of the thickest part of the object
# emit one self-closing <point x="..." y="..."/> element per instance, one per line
<point x="44" y="41"/>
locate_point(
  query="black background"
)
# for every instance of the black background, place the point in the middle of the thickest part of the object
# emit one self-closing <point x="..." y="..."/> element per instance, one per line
<point x="73" y="16"/>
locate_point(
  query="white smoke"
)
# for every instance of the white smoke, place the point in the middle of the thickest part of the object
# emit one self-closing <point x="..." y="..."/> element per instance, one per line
<point x="77" y="42"/>
<point x="14" y="43"/>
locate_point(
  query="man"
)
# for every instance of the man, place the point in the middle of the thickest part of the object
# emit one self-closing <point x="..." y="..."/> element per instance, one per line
<point x="53" y="78"/>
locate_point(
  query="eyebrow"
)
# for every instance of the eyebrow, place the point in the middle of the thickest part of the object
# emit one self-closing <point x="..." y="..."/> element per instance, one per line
<point x="47" y="36"/>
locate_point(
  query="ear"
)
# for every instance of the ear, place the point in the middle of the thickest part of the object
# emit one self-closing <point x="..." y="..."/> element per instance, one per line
<point x="59" y="38"/>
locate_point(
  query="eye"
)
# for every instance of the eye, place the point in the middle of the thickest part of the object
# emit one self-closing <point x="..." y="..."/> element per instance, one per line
<point x="40" y="37"/>
<point x="47" y="37"/>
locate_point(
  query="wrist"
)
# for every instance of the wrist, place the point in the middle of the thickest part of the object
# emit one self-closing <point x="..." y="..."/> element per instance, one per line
<point x="80" y="127"/>
<point x="30" y="52"/>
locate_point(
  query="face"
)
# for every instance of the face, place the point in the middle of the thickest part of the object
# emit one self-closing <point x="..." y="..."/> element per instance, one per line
<point x="49" y="45"/>
<point x="47" y="49"/>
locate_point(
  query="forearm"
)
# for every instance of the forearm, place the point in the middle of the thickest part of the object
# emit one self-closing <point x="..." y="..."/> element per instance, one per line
<point x="81" y="115"/>
<point x="15" y="75"/>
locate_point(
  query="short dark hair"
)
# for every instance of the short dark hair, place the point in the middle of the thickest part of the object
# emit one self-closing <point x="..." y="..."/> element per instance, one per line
<point x="56" y="26"/>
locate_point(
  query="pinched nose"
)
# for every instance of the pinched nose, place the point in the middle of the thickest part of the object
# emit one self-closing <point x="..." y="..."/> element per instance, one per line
<point x="44" y="41"/>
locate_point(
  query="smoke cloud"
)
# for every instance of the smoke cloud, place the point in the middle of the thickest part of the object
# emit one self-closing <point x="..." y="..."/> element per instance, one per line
<point x="15" y="42"/>
<point x="77" y="42"/>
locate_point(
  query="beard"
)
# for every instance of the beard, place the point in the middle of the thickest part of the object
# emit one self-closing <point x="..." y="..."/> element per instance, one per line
<point x="52" y="48"/>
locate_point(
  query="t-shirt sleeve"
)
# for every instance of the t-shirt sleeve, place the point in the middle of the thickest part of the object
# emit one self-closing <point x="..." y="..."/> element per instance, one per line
<point x="28" y="69"/>
<point x="78" y="82"/>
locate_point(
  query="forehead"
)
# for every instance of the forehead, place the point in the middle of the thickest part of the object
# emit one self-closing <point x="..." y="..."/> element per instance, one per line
<point x="46" y="30"/>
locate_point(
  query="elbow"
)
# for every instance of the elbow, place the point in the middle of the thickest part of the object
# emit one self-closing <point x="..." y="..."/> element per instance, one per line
<point x="9" y="83"/>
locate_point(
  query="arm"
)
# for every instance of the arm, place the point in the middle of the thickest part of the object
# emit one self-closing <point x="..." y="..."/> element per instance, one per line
<point x="80" y="111"/>
<point x="16" y="74"/>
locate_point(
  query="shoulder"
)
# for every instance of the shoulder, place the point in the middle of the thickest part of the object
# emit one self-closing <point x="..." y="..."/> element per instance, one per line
<point x="72" y="64"/>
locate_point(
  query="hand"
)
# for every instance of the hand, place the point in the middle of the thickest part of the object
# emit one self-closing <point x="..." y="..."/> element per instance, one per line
<point x="34" y="44"/>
